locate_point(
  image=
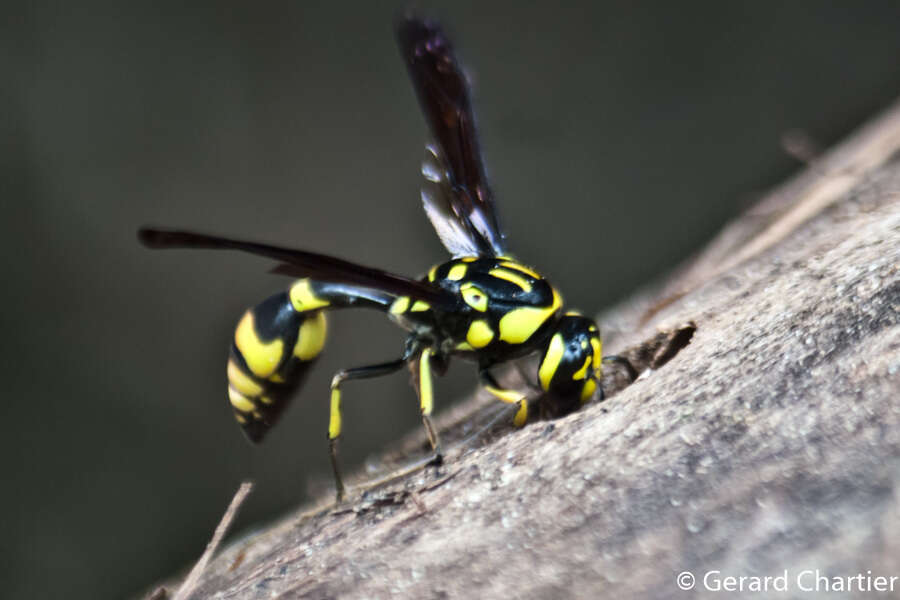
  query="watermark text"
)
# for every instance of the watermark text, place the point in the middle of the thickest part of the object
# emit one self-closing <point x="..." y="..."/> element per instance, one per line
<point x="806" y="580"/>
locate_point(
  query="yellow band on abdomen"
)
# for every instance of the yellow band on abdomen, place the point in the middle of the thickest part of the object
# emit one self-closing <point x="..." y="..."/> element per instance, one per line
<point x="262" y="358"/>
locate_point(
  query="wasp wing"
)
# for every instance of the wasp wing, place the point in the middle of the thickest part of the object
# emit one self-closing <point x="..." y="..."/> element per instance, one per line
<point x="438" y="199"/>
<point x="457" y="198"/>
<point x="300" y="263"/>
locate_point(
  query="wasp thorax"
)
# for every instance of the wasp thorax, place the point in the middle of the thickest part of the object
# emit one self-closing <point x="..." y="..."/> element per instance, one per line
<point x="503" y="306"/>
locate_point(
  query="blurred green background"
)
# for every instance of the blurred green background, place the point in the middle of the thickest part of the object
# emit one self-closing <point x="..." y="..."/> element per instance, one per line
<point x="619" y="137"/>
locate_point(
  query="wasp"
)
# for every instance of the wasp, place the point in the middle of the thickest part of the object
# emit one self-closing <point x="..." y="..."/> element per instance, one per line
<point x="482" y="305"/>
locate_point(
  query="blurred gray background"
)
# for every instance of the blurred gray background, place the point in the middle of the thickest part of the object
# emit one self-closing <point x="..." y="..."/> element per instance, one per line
<point x="619" y="137"/>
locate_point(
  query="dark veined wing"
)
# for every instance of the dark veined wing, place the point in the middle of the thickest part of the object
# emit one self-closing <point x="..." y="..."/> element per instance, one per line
<point x="300" y="263"/>
<point x="456" y="194"/>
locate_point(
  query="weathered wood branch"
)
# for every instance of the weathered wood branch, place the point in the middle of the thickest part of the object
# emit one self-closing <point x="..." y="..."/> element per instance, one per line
<point x="770" y="443"/>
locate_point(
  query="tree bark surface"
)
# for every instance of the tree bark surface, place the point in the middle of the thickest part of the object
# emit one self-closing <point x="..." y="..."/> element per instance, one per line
<point x="769" y="444"/>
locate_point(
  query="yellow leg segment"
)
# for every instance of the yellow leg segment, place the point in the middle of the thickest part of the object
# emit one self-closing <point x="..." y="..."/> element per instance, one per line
<point x="512" y="397"/>
<point x="335" y="420"/>
<point x="334" y="431"/>
<point x="426" y="391"/>
<point x="508" y="396"/>
<point x="426" y="402"/>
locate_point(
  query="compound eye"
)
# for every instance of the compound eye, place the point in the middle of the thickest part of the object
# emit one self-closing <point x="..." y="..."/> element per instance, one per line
<point x="473" y="296"/>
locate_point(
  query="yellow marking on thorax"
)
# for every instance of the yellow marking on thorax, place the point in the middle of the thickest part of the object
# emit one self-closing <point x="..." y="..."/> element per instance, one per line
<point x="512" y="277"/>
<point x="480" y="334"/>
<point x="519" y="324"/>
<point x="420" y="306"/>
<point x="521" y="268"/>
<point x="311" y="337"/>
<point x="432" y="273"/>
<point x="582" y="372"/>
<point x="474" y="296"/>
<point x="552" y="358"/>
<point x="426" y="392"/>
<point x="262" y="358"/>
<point x="239" y="401"/>
<point x="465" y="346"/>
<point x="303" y="298"/>
<point x="457" y="272"/>
<point x="399" y="306"/>
<point x="241" y="381"/>
<point x="469" y="259"/>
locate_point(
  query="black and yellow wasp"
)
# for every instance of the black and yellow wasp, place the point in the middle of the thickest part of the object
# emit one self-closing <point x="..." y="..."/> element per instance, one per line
<point x="482" y="305"/>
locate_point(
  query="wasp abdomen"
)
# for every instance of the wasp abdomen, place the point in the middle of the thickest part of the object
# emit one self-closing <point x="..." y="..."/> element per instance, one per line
<point x="273" y="348"/>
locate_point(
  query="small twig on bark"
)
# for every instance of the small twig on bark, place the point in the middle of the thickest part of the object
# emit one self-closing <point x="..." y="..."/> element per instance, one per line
<point x="193" y="578"/>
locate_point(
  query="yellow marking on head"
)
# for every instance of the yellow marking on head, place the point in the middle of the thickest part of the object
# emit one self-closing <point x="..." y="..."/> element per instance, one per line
<point x="512" y="277"/>
<point x="521" y="268"/>
<point x="473" y="296"/>
<point x="592" y="328"/>
<point x="519" y="324"/>
<point x="311" y="337"/>
<point x="464" y="346"/>
<point x="240" y="418"/>
<point x="480" y="334"/>
<point x="399" y="306"/>
<point x="469" y="259"/>
<point x="590" y="386"/>
<point x="457" y="272"/>
<point x="239" y="401"/>
<point x="303" y="298"/>
<point x="584" y="344"/>
<point x="262" y="358"/>
<point x="582" y="372"/>
<point x="420" y="306"/>
<point x="334" y="420"/>
<point x="241" y="381"/>
<point x="552" y="358"/>
<point x="426" y="392"/>
<point x="597" y="347"/>
<point x="276" y="378"/>
<point x="432" y="273"/>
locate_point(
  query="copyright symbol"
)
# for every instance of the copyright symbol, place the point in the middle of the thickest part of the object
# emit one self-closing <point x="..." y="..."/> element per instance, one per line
<point x="685" y="580"/>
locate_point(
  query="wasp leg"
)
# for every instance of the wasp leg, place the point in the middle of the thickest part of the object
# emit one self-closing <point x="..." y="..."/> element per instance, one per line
<point x="624" y="363"/>
<point x="426" y="403"/>
<point x="505" y="395"/>
<point x="334" y="422"/>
